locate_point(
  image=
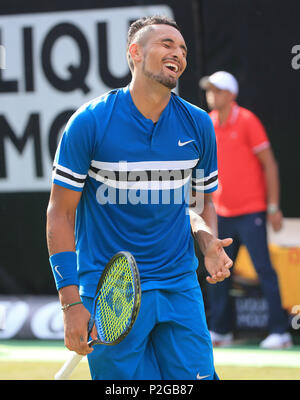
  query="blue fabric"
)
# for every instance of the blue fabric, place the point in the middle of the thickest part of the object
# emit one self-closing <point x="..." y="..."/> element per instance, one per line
<point x="64" y="269"/>
<point x="105" y="142"/>
<point x="169" y="340"/>
<point x="249" y="230"/>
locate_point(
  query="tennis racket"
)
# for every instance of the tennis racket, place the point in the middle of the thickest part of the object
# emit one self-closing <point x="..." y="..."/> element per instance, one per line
<point x="116" y="306"/>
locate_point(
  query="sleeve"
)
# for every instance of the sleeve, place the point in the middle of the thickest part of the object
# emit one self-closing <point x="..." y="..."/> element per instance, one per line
<point x="75" y="151"/>
<point x="205" y="173"/>
<point x="256" y="134"/>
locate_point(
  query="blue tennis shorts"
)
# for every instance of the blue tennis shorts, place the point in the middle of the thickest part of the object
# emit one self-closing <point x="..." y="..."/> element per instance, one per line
<point x="169" y="340"/>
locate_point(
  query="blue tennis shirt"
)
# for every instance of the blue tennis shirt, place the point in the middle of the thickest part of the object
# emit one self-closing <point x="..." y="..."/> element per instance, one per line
<point x="135" y="177"/>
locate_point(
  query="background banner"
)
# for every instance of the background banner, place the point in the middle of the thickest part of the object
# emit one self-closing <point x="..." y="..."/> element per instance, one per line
<point x="31" y="317"/>
<point x="40" y="317"/>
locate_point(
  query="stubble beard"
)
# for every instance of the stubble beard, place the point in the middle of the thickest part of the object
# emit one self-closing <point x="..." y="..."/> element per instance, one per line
<point x="161" y="78"/>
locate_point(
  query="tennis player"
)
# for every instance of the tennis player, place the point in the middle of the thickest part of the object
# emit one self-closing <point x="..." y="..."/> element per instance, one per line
<point x="122" y="162"/>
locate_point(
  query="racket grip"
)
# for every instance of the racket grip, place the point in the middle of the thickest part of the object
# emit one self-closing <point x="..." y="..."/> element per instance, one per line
<point x="74" y="358"/>
<point x="68" y="366"/>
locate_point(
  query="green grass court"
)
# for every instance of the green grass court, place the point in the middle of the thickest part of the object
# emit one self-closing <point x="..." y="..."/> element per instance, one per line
<point x="40" y="360"/>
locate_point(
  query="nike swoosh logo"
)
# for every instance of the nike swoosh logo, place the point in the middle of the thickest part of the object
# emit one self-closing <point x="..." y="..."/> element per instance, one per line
<point x="202" y="377"/>
<point x="58" y="273"/>
<point x="184" y="143"/>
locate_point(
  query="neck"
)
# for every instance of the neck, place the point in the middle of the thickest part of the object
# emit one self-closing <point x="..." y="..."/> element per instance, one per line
<point x="149" y="97"/>
<point x="224" y="113"/>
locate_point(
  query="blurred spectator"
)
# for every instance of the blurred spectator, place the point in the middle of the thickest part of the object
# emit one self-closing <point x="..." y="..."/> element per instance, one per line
<point x="247" y="197"/>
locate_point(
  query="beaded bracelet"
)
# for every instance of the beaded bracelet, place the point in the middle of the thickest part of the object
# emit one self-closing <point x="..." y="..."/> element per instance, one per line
<point x="66" y="306"/>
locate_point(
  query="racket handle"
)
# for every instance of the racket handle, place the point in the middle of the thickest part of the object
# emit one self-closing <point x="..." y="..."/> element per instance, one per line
<point x="74" y="358"/>
<point x="68" y="366"/>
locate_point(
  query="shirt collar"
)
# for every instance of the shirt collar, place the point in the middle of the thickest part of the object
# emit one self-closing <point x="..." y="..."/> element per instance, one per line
<point x="232" y="117"/>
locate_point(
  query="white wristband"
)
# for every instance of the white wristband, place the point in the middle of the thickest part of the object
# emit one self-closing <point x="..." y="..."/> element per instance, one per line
<point x="272" y="208"/>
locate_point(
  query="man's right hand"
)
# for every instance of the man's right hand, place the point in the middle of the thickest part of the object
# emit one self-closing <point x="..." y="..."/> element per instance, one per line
<point x="76" y="319"/>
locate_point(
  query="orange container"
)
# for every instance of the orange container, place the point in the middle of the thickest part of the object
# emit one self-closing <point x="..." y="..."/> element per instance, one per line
<point x="286" y="262"/>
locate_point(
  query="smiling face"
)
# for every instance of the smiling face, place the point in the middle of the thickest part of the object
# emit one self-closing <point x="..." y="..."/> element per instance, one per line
<point x="161" y="55"/>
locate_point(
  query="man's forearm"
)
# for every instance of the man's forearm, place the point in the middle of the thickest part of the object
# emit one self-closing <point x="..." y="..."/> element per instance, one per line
<point x="60" y="232"/>
<point x="210" y="217"/>
<point x="272" y="183"/>
<point x="69" y="294"/>
<point x="204" y="226"/>
<point x="271" y="175"/>
<point x="60" y="238"/>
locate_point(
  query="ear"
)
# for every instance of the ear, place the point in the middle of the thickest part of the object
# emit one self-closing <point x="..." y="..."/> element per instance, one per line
<point x="135" y="52"/>
<point x="233" y="96"/>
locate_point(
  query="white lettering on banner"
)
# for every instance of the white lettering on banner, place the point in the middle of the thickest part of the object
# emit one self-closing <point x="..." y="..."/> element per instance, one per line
<point x="2" y="316"/>
<point x="47" y="322"/>
<point x="251" y="312"/>
<point x="16" y="314"/>
<point x="32" y="317"/>
<point x="2" y="57"/>
<point x="55" y="62"/>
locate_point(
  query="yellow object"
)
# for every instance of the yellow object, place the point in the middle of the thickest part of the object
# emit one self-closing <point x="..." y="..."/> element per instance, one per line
<point x="115" y="301"/>
<point x="286" y="262"/>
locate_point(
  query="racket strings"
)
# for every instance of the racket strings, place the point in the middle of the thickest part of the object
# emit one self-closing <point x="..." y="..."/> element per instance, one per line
<point x="115" y="301"/>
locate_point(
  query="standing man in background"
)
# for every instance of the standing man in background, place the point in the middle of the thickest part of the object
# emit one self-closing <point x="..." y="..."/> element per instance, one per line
<point x="247" y="197"/>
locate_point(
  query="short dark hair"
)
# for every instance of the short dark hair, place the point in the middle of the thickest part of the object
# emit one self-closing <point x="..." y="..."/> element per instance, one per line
<point x="139" y="24"/>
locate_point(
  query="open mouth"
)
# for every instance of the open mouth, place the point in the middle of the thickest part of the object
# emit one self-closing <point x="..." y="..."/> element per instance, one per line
<point x="172" y="67"/>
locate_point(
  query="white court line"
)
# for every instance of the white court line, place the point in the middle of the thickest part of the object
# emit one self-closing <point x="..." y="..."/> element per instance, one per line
<point x="257" y="358"/>
<point x="33" y="353"/>
<point x="229" y="356"/>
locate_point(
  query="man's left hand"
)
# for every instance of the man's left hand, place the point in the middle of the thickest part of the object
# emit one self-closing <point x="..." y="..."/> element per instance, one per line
<point x="217" y="261"/>
<point x="275" y="219"/>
